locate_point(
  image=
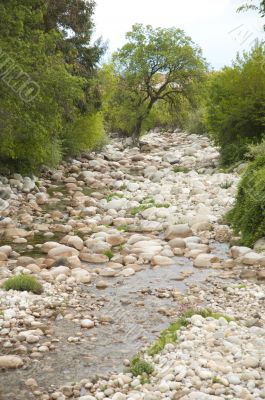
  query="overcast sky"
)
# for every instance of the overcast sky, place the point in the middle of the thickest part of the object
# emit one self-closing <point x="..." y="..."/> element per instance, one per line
<point x="213" y="24"/>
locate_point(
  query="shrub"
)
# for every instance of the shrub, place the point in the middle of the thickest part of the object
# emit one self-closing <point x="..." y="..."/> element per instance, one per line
<point x="86" y="133"/>
<point x="248" y="214"/>
<point x="23" y="283"/>
<point x="236" y="113"/>
<point x="109" y="254"/>
<point x="177" y="169"/>
<point x="140" y="367"/>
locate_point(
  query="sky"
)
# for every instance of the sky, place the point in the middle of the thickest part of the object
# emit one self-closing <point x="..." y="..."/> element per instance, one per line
<point x="214" y="25"/>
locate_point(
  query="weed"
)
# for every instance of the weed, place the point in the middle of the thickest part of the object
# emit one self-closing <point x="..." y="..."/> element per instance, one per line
<point x="109" y="254"/>
<point x="184" y="170"/>
<point x="123" y="228"/>
<point x="114" y="196"/>
<point x="23" y="283"/>
<point x="169" y="335"/>
<point x="139" y="367"/>
<point x="226" y="185"/>
<point x="216" y="379"/>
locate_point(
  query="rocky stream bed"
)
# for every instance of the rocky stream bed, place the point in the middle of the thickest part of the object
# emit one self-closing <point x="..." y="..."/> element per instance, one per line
<point x="124" y="241"/>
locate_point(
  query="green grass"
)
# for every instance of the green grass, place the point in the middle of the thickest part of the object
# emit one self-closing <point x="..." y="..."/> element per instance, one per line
<point x="136" y="210"/>
<point x="162" y="205"/>
<point x="169" y="335"/>
<point x="177" y="169"/>
<point x="241" y="286"/>
<point x="226" y="185"/>
<point x="139" y="367"/>
<point x="114" y="196"/>
<point x="109" y="254"/>
<point x="147" y="203"/>
<point x="23" y="283"/>
<point x="123" y="228"/>
<point x="216" y="379"/>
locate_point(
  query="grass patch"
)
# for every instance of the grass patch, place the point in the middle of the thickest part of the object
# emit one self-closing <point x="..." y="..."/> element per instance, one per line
<point x="226" y="185"/>
<point x="184" y="170"/>
<point x="216" y="379"/>
<point x="23" y="283"/>
<point x="136" y="210"/>
<point x="169" y="335"/>
<point x="114" y="196"/>
<point x="162" y="205"/>
<point x="109" y="254"/>
<point x="139" y="367"/>
<point x="123" y="228"/>
<point x="147" y="203"/>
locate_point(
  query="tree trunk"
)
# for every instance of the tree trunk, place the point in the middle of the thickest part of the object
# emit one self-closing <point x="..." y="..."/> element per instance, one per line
<point x="137" y="131"/>
<point x="140" y="120"/>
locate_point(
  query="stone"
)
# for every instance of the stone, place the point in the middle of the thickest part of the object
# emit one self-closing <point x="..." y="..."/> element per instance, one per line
<point x="115" y="240"/>
<point x="81" y="275"/>
<point x="101" y="285"/>
<point x="178" y="231"/>
<point x="251" y="258"/>
<point x="205" y="260"/>
<point x="93" y="258"/>
<point x="177" y="243"/>
<point x="76" y="242"/>
<point x="261" y="275"/>
<point x="162" y="260"/>
<point x="11" y="362"/>
<point x="62" y="251"/>
<point x="87" y="323"/>
<point x="239" y="251"/>
<point x="127" y="272"/>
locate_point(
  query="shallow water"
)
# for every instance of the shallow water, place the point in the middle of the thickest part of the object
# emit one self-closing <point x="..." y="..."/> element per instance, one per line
<point x="134" y="304"/>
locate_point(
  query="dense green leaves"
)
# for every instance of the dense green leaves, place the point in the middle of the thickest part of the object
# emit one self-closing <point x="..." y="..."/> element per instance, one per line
<point x="34" y="127"/>
<point x="236" y="112"/>
<point x="248" y="215"/>
<point x="154" y="66"/>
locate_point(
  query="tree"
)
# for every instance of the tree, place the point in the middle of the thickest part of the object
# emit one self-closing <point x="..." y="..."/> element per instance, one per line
<point x="35" y="126"/>
<point x="260" y="7"/>
<point x="154" y="65"/>
<point x="236" y="108"/>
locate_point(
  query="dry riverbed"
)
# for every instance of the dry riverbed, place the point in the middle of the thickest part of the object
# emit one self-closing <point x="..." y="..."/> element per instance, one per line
<point x="124" y="242"/>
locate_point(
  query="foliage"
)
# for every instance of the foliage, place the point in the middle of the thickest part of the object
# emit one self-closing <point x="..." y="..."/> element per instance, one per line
<point x="154" y="67"/>
<point x="178" y="169"/>
<point x="87" y="132"/>
<point x="248" y="215"/>
<point x="139" y="367"/>
<point x="23" y="283"/>
<point x="33" y="41"/>
<point x="236" y="109"/>
<point x="109" y="254"/>
<point x="169" y="335"/>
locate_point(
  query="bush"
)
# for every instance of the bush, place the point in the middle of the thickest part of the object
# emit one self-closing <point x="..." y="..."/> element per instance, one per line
<point x="139" y="367"/>
<point x="248" y="215"/>
<point x="236" y="112"/>
<point x="87" y="132"/>
<point x="23" y="283"/>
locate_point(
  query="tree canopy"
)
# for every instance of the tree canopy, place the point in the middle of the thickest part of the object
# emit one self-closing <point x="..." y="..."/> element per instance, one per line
<point x="154" y="65"/>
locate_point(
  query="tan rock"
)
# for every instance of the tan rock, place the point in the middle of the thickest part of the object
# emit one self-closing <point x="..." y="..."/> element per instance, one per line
<point x="11" y="362"/>
<point x="63" y="251"/>
<point x="93" y="258"/>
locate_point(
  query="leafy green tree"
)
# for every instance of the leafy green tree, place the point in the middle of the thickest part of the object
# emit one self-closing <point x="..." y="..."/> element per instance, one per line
<point x="236" y="109"/>
<point x="254" y="5"/>
<point x="155" y="65"/>
<point x="36" y="132"/>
